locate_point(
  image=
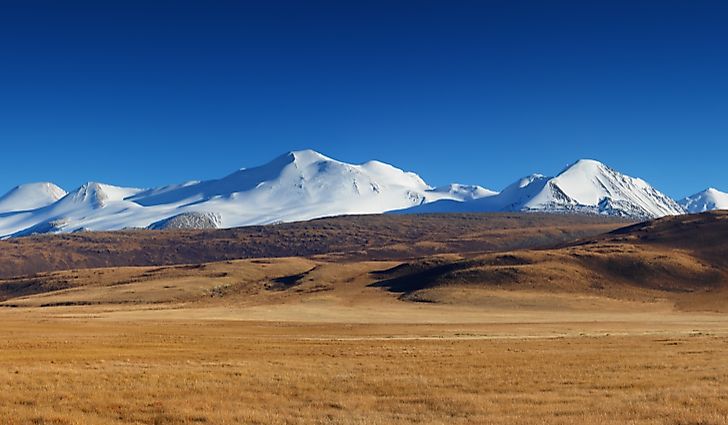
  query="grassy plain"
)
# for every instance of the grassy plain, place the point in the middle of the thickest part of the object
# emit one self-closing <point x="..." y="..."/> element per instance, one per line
<point x="75" y="366"/>
<point x="625" y="328"/>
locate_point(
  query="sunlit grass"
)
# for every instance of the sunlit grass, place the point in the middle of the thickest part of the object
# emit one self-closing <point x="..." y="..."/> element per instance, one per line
<point x="61" y="372"/>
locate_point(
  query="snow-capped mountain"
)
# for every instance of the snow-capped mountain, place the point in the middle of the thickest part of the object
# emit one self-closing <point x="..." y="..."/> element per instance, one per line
<point x="707" y="200"/>
<point x="305" y="184"/>
<point x="93" y="206"/>
<point x="296" y="186"/>
<point x="464" y="192"/>
<point x="586" y="186"/>
<point x="30" y="196"/>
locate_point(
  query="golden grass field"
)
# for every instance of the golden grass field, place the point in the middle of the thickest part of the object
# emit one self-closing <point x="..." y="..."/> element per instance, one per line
<point x="186" y="345"/>
<point x="72" y="367"/>
<point x="627" y="328"/>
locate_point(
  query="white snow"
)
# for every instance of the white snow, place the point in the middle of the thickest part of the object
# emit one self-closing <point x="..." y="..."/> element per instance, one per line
<point x="30" y="196"/>
<point x="462" y="192"/>
<point x="305" y="184"/>
<point x="587" y="186"/>
<point x="299" y="185"/>
<point x="707" y="200"/>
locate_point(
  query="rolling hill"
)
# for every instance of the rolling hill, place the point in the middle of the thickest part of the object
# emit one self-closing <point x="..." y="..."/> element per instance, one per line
<point x="674" y="262"/>
<point x="677" y="258"/>
<point x="375" y="237"/>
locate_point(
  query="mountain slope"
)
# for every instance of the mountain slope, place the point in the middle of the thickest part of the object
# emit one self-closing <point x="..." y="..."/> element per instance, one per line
<point x="30" y="196"/>
<point x="92" y="206"/>
<point x="707" y="200"/>
<point x="680" y="258"/>
<point x="586" y="186"/>
<point x="370" y="237"/>
<point x="303" y="185"/>
<point x="296" y="186"/>
<point x="463" y="192"/>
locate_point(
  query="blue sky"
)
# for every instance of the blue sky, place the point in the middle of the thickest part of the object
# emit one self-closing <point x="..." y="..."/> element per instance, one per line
<point x="145" y="93"/>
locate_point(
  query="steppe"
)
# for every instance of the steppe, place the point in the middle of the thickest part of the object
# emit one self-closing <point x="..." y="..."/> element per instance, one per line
<point x="464" y="319"/>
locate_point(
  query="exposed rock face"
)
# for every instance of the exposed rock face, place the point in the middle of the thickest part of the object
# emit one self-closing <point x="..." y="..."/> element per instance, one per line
<point x="190" y="220"/>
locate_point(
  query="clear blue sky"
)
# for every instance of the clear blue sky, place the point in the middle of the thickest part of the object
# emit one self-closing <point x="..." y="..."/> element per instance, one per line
<point x="145" y="93"/>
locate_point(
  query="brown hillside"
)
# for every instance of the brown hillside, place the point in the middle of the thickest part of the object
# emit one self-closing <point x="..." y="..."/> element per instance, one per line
<point x="374" y="237"/>
<point x="678" y="258"/>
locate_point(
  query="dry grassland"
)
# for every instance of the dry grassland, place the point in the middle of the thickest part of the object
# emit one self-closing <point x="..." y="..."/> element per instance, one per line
<point x="84" y="371"/>
<point x="626" y="328"/>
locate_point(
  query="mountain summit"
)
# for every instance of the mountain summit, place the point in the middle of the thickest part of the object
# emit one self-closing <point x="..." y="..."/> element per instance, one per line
<point x="306" y="184"/>
<point x="707" y="200"/>
<point x="298" y="185"/>
<point x="590" y="185"/>
<point x="304" y="176"/>
<point x="30" y="196"/>
<point x="586" y="186"/>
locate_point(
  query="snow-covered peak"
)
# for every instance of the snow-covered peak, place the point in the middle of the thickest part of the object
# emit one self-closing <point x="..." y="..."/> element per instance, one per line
<point x="526" y="181"/>
<point x="305" y="184"/>
<point x="30" y="196"/>
<point x="97" y="195"/>
<point x="589" y="183"/>
<point x="584" y="165"/>
<point x="303" y="177"/>
<point x="93" y="206"/>
<point x="308" y="156"/>
<point x="707" y="200"/>
<point x="299" y="159"/>
<point x="464" y="192"/>
<point x="586" y="186"/>
<point x="586" y="181"/>
<point x="517" y="194"/>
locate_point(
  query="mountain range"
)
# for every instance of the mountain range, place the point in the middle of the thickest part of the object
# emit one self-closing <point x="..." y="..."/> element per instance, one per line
<point x="305" y="184"/>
